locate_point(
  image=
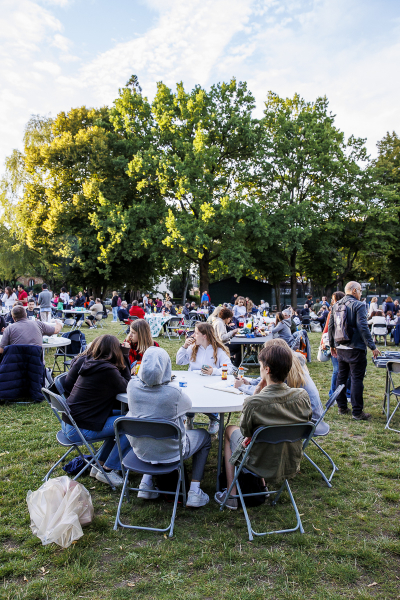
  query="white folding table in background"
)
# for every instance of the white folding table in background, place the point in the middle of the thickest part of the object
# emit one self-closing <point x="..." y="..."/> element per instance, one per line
<point x="207" y="400"/>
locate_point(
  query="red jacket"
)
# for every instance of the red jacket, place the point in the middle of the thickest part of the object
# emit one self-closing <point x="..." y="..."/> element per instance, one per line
<point x="136" y="311"/>
<point x="134" y="355"/>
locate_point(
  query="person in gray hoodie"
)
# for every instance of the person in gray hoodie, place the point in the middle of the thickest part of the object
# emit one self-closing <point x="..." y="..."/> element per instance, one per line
<point x="152" y="395"/>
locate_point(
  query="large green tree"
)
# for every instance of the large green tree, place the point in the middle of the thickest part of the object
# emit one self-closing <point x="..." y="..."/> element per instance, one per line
<point x="204" y="147"/>
<point x="306" y="173"/>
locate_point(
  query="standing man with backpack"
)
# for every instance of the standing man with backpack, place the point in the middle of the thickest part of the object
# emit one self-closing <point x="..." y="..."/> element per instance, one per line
<point x="349" y="336"/>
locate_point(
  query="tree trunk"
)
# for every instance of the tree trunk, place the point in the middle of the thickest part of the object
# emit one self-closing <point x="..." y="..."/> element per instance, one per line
<point x="204" y="264"/>
<point x="277" y="287"/>
<point x="185" y="286"/>
<point x="293" y="279"/>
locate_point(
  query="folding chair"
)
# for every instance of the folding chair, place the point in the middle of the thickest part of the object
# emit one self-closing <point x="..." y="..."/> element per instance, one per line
<point x="322" y="429"/>
<point x="392" y="366"/>
<point x="158" y="430"/>
<point x="173" y="326"/>
<point x="379" y="331"/>
<point x="59" y="406"/>
<point x="78" y="345"/>
<point x="270" y="435"/>
<point x="306" y="323"/>
<point x="97" y="321"/>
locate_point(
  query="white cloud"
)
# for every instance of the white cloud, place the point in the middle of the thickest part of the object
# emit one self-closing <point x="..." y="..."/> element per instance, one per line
<point x="61" y="42"/>
<point x="49" y="67"/>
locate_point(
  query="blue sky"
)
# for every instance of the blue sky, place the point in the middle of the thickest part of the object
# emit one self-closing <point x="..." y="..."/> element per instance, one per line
<point x="57" y="54"/>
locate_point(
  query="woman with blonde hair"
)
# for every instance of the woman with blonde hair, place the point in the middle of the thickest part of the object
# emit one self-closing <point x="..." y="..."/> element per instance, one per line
<point x="298" y="377"/>
<point x="215" y="314"/>
<point x="138" y="340"/>
<point x="373" y="307"/>
<point x="204" y="352"/>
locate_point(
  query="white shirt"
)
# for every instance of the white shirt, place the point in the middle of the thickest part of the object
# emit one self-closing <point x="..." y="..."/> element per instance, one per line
<point x="64" y="297"/>
<point x="205" y="356"/>
<point x="9" y="301"/>
<point x="239" y="311"/>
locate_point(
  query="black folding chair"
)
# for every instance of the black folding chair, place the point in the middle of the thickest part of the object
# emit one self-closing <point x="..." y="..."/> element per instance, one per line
<point x="392" y="368"/>
<point x="157" y="430"/>
<point x="77" y="346"/>
<point x="59" y="406"/>
<point x="276" y="434"/>
<point x="321" y="430"/>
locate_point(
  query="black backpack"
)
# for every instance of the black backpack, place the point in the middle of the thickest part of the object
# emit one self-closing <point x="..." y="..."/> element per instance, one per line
<point x="249" y="484"/>
<point x="342" y="330"/>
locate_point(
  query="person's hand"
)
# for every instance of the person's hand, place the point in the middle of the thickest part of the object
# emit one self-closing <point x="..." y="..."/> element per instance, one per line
<point x="246" y="442"/>
<point x="260" y="387"/>
<point x="208" y="371"/>
<point x="376" y="352"/>
<point x="57" y="327"/>
<point x="188" y="342"/>
<point x="234" y="331"/>
<point x="125" y="344"/>
<point x="237" y="383"/>
<point x="333" y="352"/>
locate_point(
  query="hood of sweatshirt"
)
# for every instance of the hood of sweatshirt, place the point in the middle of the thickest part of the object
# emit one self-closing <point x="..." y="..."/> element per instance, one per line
<point x="92" y="366"/>
<point x="156" y="367"/>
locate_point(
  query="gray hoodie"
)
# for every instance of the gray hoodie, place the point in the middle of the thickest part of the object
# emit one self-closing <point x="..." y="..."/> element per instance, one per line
<point x="151" y="395"/>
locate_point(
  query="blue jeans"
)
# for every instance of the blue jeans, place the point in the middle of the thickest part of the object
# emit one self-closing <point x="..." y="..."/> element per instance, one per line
<point x="115" y="313"/>
<point x="109" y="451"/>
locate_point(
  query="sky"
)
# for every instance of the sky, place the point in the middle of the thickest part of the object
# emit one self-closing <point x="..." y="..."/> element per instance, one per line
<point x="59" y="54"/>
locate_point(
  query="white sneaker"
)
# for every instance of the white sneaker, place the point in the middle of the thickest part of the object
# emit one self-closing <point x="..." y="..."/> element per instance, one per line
<point x="213" y="428"/>
<point x="189" y="423"/>
<point x="113" y="476"/>
<point x="196" y="500"/>
<point x="146" y="492"/>
<point x="93" y="471"/>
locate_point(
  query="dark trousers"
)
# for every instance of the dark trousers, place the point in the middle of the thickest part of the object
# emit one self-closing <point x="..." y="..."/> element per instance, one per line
<point x="354" y="363"/>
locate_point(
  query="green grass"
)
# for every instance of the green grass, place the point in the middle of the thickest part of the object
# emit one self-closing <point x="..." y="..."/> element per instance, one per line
<point x="351" y="540"/>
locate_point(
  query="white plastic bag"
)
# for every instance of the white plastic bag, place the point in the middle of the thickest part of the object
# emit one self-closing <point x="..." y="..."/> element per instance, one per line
<point x="315" y="327"/>
<point x="58" y="509"/>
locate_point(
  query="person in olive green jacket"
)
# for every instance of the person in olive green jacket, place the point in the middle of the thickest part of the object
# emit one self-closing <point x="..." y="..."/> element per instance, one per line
<point x="273" y="403"/>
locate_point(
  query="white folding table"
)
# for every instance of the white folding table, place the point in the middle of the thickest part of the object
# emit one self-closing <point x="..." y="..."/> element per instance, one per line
<point x="206" y="400"/>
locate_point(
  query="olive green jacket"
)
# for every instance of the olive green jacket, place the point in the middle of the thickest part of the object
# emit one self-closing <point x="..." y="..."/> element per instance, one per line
<point x="276" y="404"/>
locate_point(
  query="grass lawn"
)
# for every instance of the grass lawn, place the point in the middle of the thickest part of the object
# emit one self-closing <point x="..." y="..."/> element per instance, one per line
<point x="350" y="549"/>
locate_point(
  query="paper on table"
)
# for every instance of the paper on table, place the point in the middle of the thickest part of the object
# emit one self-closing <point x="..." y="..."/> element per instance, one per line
<point x="223" y="386"/>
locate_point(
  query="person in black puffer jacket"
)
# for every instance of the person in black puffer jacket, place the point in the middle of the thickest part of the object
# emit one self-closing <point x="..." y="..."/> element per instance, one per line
<point x="91" y="387"/>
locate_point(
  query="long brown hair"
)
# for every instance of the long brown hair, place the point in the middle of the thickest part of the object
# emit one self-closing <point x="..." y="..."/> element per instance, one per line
<point x="240" y="298"/>
<point x="107" y="347"/>
<point x="297" y="375"/>
<point x="208" y="330"/>
<point x="143" y="331"/>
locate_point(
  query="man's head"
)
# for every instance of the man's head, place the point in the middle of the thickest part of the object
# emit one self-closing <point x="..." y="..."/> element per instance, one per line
<point x="317" y="301"/>
<point x="276" y="362"/>
<point x="20" y="287"/>
<point x="135" y="303"/>
<point x="286" y="313"/>
<point x="124" y="304"/>
<point x="44" y="286"/>
<point x="31" y="304"/>
<point x="324" y="299"/>
<point x="309" y="297"/>
<point x="98" y="301"/>
<point x="353" y="288"/>
<point x="262" y="301"/>
<point x="18" y="312"/>
<point x="80" y="294"/>
<point x="193" y="304"/>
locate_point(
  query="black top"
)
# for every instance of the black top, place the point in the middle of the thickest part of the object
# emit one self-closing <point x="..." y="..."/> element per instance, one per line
<point x="3" y="323"/>
<point x="80" y="301"/>
<point x="92" y="386"/>
<point x="114" y="301"/>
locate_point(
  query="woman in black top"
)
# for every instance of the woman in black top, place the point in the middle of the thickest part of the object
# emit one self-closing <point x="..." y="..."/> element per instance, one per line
<point x="91" y="386"/>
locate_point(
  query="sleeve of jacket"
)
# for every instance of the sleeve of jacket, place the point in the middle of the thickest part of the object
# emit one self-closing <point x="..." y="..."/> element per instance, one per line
<point x="277" y="329"/>
<point x="331" y="327"/>
<point x="73" y="374"/>
<point x="120" y="379"/>
<point x="362" y="326"/>
<point x="183" y="356"/>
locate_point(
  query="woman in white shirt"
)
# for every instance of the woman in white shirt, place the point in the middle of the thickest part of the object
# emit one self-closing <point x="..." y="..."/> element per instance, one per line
<point x="9" y="298"/>
<point x="373" y="307"/>
<point x="204" y="352"/>
<point x="378" y="322"/>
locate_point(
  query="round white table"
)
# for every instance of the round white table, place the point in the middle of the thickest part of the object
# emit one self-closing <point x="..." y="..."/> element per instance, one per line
<point x="207" y="400"/>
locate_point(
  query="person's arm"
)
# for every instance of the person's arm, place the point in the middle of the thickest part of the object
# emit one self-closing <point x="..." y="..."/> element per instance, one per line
<point x="223" y="359"/>
<point x="277" y="329"/>
<point x="183" y="356"/>
<point x="73" y="374"/>
<point x="121" y="379"/>
<point x="5" y="340"/>
<point x="47" y="329"/>
<point x="184" y="404"/>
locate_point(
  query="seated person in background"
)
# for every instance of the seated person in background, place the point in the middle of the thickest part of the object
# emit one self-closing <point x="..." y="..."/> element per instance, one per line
<point x="305" y="312"/>
<point x="215" y="314"/>
<point x="80" y="300"/>
<point x="138" y="340"/>
<point x="170" y="309"/>
<point x="30" y="310"/>
<point x="317" y="306"/>
<point x="24" y="331"/>
<point x="274" y="404"/>
<point x="204" y="352"/>
<point x="123" y="311"/>
<point x="239" y="309"/>
<point x="91" y="386"/>
<point x="282" y="327"/>
<point x="263" y="306"/>
<point x="322" y="316"/>
<point x="95" y="309"/>
<point x="298" y="377"/>
<point x="193" y="306"/>
<point x="220" y="322"/>
<point x="91" y="301"/>
<point x="151" y="395"/>
<point x="136" y="311"/>
<point x="186" y="310"/>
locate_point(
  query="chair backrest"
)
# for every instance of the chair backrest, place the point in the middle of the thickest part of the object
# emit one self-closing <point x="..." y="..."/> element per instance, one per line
<point x="174" y="321"/>
<point x="58" y="382"/>
<point x="277" y="434"/>
<point x="78" y="342"/>
<point x="333" y="398"/>
<point x="150" y="428"/>
<point x="57" y="403"/>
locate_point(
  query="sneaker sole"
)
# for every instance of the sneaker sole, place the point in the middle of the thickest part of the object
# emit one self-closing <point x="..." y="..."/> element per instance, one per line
<point x="196" y="505"/>
<point x="148" y="496"/>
